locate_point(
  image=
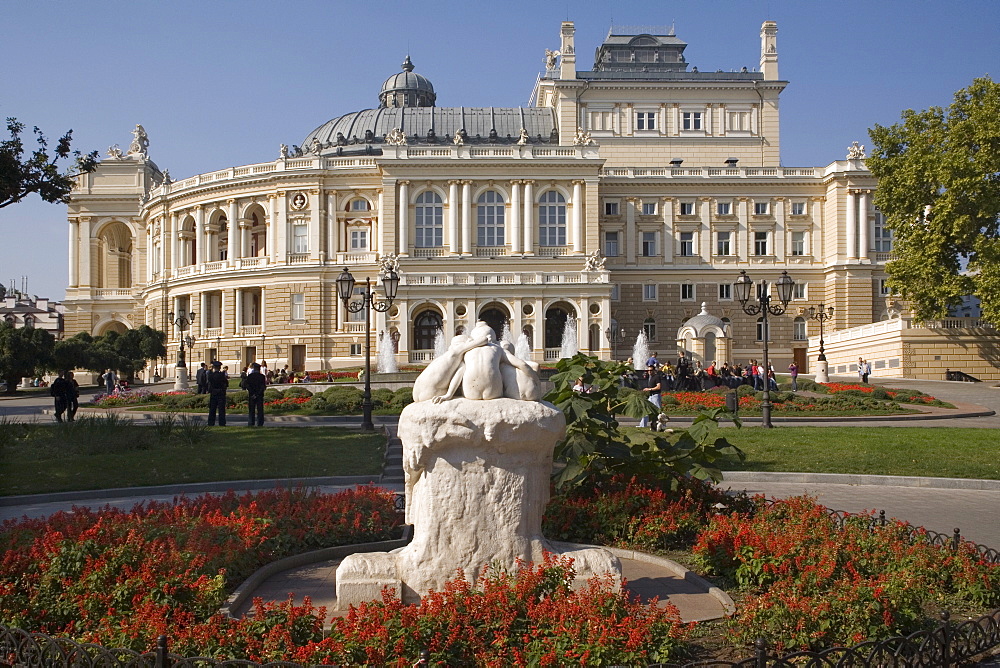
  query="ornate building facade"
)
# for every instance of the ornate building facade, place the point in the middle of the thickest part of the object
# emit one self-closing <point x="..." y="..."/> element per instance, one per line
<point x="622" y="199"/>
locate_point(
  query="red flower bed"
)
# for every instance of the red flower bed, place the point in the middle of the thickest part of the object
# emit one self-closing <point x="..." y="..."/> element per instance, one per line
<point x="287" y="402"/>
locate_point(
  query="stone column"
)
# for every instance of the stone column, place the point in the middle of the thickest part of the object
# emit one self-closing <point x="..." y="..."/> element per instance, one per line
<point x="705" y="230"/>
<point x="74" y="252"/>
<point x="863" y="225"/>
<point x="529" y="218"/>
<point x="175" y="245"/>
<point x="314" y="224"/>
<point x="514" y="223"/>
<point x="150" y="250"/>
<point x="578" y="208"/>
<point x="238" y="313"/>
<point x="331" y="224"/>
<point x="233" y="225"/>
<point x="466" y="217"/>
<point x="403" y="209"/>
<point x="383" y="230"/>
<point x="667" y="211"/>
<point x="852" y="225"/>
<point x="630" y="232"/>
<point x="263" y="311"/>
<point x="84" y="279"/>
<point x="779" y="230"/>
<point x="742" y="240"/>
<point x="453" y="240"/>
<point x="199" y="234"/>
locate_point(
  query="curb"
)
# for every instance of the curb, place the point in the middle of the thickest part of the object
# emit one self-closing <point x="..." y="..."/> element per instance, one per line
<point x="861" y="480"/>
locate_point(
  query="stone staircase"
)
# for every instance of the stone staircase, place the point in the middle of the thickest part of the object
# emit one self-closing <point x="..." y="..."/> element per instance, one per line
<point x="392" y="466"/>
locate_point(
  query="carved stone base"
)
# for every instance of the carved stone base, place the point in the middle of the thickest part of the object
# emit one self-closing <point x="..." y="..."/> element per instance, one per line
<point x="822" y="372"/>
<point x="477" y="482"/>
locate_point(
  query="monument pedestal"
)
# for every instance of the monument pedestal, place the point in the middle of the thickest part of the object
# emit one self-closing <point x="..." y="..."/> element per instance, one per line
<point x="822" y="372"/>
<point x="477" y="483"/>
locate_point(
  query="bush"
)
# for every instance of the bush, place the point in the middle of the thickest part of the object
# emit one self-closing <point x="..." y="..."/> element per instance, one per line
<point x="382" y="397"/>
<point x="296" y="391"/>
<point x="746" y="391"/>
<point x="194" y="401"/>
<point x="402" y="397"/>
<point x="811" y="386"/>
<point x="317" y="402"/>
<point x="667" y="400"/>
<point x="880" y="393"/>
<point x="271" y="394"/>
<point x="344" y="400"/>
<point x="237" y="398"/>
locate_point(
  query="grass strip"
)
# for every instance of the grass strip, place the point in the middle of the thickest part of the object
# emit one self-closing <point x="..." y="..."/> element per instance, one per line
<point x="38" y="466"/>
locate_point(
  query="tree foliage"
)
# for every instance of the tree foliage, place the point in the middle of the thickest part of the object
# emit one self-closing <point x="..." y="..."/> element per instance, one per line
<point x="939" y="189"/>
<point x="24" y="352"/>
<point x="595" y="446"/>
<point x="39" y="172"/>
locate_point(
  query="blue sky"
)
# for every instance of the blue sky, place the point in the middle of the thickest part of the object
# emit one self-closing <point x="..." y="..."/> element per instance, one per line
<point x="222" y="83"/>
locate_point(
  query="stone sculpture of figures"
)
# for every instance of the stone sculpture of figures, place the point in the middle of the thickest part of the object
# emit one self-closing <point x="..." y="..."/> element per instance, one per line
<point x="115" y="152"/>
<point x="396" y="137"/>
<point x="140" y="141"/>
<point x="595" y="262"/>
<point x="583" y="138"/>
<point x="459" y="137"/>
<point x="522" y="139"/>
<point x="855" y="152"/>
<point x="315" y="146"/>
<point x="481" y="368"/>
<point x="550" y="59"/>
<point x="387" y="262"/>
<point x="283" y="151"/>
<point x="166" y="176"/>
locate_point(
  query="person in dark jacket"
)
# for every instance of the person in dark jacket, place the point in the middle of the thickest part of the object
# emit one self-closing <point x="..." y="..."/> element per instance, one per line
<point x="217" y="386"/>
<point x="66" y="392"/>
<point x="255" y="383"/>
<point x="201" y="378"/>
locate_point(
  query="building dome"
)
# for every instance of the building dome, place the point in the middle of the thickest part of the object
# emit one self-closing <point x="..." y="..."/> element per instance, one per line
<point x="407" y="89"/>
<point x="697" y="326"/>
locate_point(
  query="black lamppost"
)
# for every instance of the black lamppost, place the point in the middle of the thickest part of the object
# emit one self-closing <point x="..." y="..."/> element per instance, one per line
<point x="742" y="287"/>
<point x="615" y="337"/>
<point x="182" y="321"/>
<point x="820" y="314"/>
<point x="263" y="354"/>
<point x="345" y="289"/>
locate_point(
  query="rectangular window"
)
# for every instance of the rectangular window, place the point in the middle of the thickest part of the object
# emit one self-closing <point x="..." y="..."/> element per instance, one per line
<point x="355" y="349"/>
<point x="649" y="329"/>
<point x="722" y="243"/>
<point x="645" y="121"/>
<point x="615" y="293"/>
<point x="687" y="208"/>
<point x="798" y="208"/>
<point x="687" y="291"/>
<point x="359" y="240"/>
<point x="799" y="290"/>
<point x="739" y="121"/>
<point x="358" y="316"/>
<point x="760" y="243"/>
<point x="691" y="120"/>
<point x="724" y="208"/>
<point x="687" y="244"/>
<point x="725" y="291"/>
<point x="649" y="292"/>
<point x="298" y="304"/>
<point x="798" y="243"/>
<point x="300" y="239"/>
<point x="611" y="244"/>
<point x="883" y="235"/>
<point x="883" y="287"/>
<point x="648" y="244"/>
<point x="761" y="208"/>
<point x="799" y="329"/>
<point x="649" y="208"/>
<point x="611" y="208"/>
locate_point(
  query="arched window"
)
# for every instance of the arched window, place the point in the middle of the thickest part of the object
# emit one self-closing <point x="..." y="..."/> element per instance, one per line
<point x="555" y="323"/>
<point x="529" y="333"/>
<point x="490" y="219"/>
<point x="594" y="340"/>
<point x="360" y="205"/>
<point x="426" y="326"/>
<point x="552" y="219"/>
<point x="29" y="322"/>
<point x="649" y="327"/>
<point x="760" y="330"/>
<point x="496" y="318"/>
<point x="429" y="220"/>
<point x="799" y="329"/>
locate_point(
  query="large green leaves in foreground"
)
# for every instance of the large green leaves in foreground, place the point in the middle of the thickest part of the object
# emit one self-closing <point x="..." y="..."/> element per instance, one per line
<point x="595" y="445"/>
<point x="939" y="188"/>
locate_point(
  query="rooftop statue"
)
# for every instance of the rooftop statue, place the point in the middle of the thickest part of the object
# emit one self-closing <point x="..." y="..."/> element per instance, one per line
<point x="115" y="152"/>
<point x="550" y="59"/>
<point x="856" y="152"/>
<point x="140" y="142"/>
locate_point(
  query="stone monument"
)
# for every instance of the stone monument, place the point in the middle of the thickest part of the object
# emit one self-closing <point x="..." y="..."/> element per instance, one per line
<point x="477" y="458"/>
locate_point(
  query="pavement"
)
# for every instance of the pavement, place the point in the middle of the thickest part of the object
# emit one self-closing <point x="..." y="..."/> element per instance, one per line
<point x="938" y="504"/>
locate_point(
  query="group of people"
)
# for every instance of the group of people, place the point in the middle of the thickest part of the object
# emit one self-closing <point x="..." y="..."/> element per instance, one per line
<point x="864" y="370"/>
<point x="215" y="383"/>
<point x="66" y="393"/>
<point x="687" y="375"/>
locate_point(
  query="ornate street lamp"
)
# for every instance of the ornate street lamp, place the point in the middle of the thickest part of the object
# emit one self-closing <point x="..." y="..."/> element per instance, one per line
<point x="345" y="289"/>
<point x="615" y="337"/>
<point x="182" y="321"/>
<point x="742" y="288"/>
<point x="820" y="314"/>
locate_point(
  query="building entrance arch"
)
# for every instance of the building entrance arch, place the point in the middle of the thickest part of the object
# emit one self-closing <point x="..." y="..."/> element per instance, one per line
<point x="496" y="316"/>
<point x="556" y="317"/>
<point x="426" y="326"/>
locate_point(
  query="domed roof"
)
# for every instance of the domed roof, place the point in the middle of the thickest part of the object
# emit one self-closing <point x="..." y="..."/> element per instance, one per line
<point x="702" y="323"/>
<point x="407" y="89"/>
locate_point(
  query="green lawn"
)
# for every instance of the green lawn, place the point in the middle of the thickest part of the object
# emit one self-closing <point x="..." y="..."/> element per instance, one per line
<point x="43" y="464"/>
<point x="941" y="452"/>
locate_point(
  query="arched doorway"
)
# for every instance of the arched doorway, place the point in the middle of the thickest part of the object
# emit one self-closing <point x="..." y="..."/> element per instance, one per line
<point x="114" y="258"/>
<point x="555" y="323"/>
<point x="496" y="316"/>
<point x="426" y="326"/>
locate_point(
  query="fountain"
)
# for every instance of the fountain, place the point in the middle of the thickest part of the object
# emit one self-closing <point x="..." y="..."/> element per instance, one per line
<point x="506" y="336"/>
<point x="386" y="354"/>
<point x="440" y="345"/>
<point x="640" y="351"/>
<point x="569" y="340"/>
<point x="522" y="348"/>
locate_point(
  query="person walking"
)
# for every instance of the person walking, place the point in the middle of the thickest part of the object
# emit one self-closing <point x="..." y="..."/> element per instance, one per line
<point x="218" y="384"/>
<point x="110" y="381"/>
<point x="59" y="390"/>
<point x="652" y="390"/>
<point x="793" y="371"/>
<point x="255" y="383"/>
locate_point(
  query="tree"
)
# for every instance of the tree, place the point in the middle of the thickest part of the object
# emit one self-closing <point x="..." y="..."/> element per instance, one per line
<point x="137" y="346"/>
<point x="939" y="189"/>
<point x="23" y="352"/>
<point x="40" y="172"/>
<point x="595" y="447"/>
<point x="73" y="353"/>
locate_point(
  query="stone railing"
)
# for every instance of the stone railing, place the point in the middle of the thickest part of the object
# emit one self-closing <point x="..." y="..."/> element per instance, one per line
<point x="710" y="172"/>
<point x="250" y="330"/>
<point x="112" y="293"/>
<point x="501" y="278"/>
